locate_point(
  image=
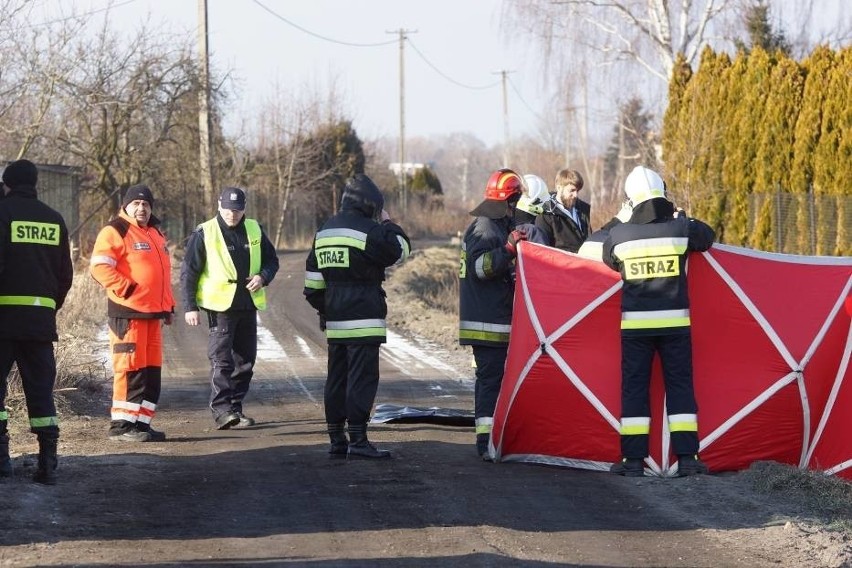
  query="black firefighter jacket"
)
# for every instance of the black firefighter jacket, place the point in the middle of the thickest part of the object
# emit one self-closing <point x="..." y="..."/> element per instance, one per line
<point x="651" y="258"/>
<point x="486" y="283"/>
<point x="344" y="273"/>
<point x="35" y="267"/>
<point x="560" y="230"/>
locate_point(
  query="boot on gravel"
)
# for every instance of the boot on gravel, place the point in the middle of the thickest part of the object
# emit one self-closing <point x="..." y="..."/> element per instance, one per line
<point x="339" y="443"/>
<point x="5" y="460"/>
<point x="629" y="467"/>
<point x="47" y="460"/>
<point x="360" y="447"/>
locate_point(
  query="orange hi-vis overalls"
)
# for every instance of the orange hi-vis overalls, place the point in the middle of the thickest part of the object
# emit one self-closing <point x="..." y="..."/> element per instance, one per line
<point x="132" y="263"/>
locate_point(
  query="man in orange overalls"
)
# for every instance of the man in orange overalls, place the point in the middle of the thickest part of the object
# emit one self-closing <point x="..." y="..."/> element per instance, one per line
<point x="131" y="261"/>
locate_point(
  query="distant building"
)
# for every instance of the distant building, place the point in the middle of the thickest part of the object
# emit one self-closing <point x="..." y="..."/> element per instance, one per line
<point x="408" y="167"/>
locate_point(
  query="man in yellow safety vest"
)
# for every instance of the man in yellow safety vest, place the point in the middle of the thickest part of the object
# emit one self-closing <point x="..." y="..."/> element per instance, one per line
<point x="228" y="262"/>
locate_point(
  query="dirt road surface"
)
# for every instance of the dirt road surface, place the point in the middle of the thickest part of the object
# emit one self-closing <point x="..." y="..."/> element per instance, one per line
<point x="271" y="496"/>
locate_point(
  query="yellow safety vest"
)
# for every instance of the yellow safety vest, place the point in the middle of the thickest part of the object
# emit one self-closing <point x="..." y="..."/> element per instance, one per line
<point x="217" y="284"/>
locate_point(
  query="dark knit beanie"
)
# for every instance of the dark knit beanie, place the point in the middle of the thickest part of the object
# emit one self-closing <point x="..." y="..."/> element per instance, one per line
<point x="135" y="192"/>
<point x="20" y="173"/>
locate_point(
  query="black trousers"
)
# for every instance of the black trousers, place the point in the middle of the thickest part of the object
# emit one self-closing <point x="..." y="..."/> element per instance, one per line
<point x="232" y="350"/>
<point x="490" y="365"/>
<point x="637" y="356"/>
<point x="37" y="367"/>
<point x="353" y="380"/>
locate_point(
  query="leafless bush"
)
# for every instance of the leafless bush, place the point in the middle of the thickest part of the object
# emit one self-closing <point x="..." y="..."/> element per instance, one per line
<point x="438" y="222"/>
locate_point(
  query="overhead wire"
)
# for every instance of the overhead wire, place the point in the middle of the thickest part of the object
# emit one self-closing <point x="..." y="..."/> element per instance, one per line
<point x="377" y="44"/>
<point x="389" y="42"/>
<point x="444" y="75"/>
<point x="106" y="8"/>
<point x="526" y="104"/>
<point x="318" y="36"/>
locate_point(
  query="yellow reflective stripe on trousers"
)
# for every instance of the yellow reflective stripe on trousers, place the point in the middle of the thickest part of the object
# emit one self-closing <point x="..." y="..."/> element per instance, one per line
<point x="27" y="301"/>
<point x="44" y="421"/>
<point x="683" y="423"/>
<point x="4" y="414"/>
<point x="355" y="328"/>
<point x="483" y="424"/>
<point x="659" y="246"/>
<point x="635" y="425"/>
<point x="655" y="319"/>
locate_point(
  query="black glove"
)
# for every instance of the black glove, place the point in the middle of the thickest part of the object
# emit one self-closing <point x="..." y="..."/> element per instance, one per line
<point x="322" y="322"/>
<point x="515" y="237"/>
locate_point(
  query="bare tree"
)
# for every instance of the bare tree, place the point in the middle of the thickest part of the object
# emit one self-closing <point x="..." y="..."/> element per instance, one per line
<point x="650" y="33"/>
<point x="122" y="102"/>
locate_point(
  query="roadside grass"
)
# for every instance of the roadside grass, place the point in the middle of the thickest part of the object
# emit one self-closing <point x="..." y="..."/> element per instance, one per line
<point x="829" y="496"/>
<point x="79" y="370"/>
<point x="431" y="276"/>
<point x="420" y="223"/>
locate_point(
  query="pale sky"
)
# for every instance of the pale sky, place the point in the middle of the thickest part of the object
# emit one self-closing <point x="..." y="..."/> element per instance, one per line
<point x="462" y="39"/>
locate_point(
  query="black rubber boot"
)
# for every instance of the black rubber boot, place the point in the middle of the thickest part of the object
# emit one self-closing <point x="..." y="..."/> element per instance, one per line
<point x="360" y="447"/>
<point x="5" y="460"/>
<point x="629" y="467"/>
<point x="339" y="443"/>
<point x="691" y="465"/>
<point x="482" y="446"/>
<point x="47" y="460"/>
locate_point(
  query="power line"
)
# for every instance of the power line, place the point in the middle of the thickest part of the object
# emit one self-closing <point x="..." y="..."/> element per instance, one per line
<point x="106" y="8"/>
<point x="526" y="104"/>
<point x="448" y="78"/>
<point x="316" y="35"/>
<point x="377" y="44"/>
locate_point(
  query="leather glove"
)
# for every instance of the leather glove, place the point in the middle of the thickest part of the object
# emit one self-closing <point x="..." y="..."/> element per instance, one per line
<point x="321" y="322"/>
<point x="515" y="237"/>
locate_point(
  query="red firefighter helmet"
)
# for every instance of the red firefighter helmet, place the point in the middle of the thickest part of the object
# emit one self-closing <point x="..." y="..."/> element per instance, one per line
<point x="503" y="185"/>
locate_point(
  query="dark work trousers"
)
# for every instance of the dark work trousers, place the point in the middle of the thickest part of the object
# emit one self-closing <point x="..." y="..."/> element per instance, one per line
<point x="637" y="356"/>
<point x="232" y="350"/>
<point x="37" y="367"/>
<point x="353" y="380"/>
<point x="490" y="365"/>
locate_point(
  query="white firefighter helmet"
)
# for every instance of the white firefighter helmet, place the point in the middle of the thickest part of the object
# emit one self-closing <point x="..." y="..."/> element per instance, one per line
<point x="536" y="189"/>
<point x="643" y="184"/>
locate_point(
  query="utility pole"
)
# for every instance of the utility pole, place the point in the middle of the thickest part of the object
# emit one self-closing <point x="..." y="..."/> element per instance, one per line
<point x="505" y="75"/>
<point x="205" y="157"/>
<point x="403" y="196"/>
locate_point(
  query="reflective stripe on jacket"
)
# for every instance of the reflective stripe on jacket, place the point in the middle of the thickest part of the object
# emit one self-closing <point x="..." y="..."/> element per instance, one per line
<point x="133" y="264"/>
<point x="35" y="266"/>
<point x="217" y="283"/>
<point x="651" y="258"/>
<point x="486" y="284"/>
<point x="344" y="273"/>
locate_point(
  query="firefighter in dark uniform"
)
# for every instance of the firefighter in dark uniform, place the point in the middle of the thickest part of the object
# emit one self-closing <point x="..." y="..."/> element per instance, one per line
<point x="650" y="251"/>
<point x="35" y="276"/>
<point x="486" y="292"/>
<point x="229" y="261"/>
<point x="343" y="282"/>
